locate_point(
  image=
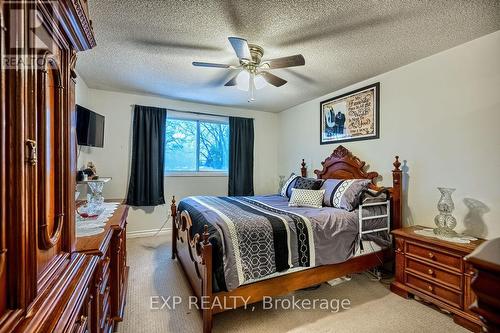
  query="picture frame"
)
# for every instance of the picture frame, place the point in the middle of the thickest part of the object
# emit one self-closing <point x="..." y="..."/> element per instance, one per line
<point x="353" y="116"/>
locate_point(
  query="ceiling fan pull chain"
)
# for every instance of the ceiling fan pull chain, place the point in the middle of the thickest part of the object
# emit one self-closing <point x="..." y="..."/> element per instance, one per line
<point x="251" y="87"/>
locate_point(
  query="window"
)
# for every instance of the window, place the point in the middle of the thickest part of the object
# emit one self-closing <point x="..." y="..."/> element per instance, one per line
<point x="196" y="144"/>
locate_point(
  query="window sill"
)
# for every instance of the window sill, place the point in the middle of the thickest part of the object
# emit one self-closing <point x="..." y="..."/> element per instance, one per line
<point x="196" y="174"/>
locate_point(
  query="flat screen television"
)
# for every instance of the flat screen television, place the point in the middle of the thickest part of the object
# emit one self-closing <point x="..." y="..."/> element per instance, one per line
<point x="89" y="127"/>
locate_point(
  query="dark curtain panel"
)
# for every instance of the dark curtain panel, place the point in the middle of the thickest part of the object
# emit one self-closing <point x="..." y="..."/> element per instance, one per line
<point x="145" y="187"/>
<point x="241" y="139"/>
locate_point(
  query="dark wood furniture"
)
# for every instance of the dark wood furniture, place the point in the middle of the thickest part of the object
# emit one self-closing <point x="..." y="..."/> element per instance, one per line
<point x="109" y="284"/>
<point x="435" y="270"/>
<point x="195" y="253"/>
<point x="485" y="261"/>
<point x="45" y="285"/>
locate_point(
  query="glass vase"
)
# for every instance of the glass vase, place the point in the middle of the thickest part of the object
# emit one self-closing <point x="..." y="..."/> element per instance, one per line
<point x="94" y="198"/>
<point x="445" y="222"/>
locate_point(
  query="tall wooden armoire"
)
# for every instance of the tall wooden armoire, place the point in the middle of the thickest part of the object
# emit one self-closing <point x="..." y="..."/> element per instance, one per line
<point x="44" y="283"/>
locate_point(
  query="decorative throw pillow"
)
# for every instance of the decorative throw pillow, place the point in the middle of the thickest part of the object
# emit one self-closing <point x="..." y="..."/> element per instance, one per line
<point x="306" y="198"/>
<point x="308" y="183"/>
<point x="343" y="193"/>
<point x="286" y="190"/>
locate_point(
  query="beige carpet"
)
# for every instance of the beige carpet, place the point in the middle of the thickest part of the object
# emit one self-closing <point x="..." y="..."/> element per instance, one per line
<point x="373" y="307"/>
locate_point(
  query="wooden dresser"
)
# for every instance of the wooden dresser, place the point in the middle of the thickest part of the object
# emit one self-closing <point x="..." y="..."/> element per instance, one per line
<point x="435" y="271"/>
<point x="109" y="284"/>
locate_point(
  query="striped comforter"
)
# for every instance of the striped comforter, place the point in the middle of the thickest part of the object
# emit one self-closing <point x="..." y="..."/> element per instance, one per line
<point x="259" y="239"/>
<point x="254" y="237"/>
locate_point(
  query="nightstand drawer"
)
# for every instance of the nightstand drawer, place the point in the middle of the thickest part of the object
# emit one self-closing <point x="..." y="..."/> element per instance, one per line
<point x="430" y="254"/>
<point x="431" y="272"/>
<point x="434" y="290"/>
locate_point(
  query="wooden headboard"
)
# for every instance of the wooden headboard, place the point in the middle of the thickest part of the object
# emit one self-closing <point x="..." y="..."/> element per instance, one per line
<point x="342" y="164"/>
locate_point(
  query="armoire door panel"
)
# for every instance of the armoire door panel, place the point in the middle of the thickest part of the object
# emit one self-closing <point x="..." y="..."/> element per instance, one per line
<point x="49" y="118"/>
<point x="19" y="292"/>
<point x="50" y="170"/>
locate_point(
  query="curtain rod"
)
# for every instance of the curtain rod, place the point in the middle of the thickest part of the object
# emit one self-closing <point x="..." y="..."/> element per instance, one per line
<point x="194" y="112"/>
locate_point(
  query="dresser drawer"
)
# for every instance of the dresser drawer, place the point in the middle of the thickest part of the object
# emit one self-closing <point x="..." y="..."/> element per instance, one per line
<point x="105" y="316"/>
<point x="431" y="272"/>
<point x="105" y="300"/>
<point x="80" y="326"/>
<point x="443" y="294"/>
<point x="105" y="282"/>
<point x="105" y="264"/>
<point x="451" y="261"/>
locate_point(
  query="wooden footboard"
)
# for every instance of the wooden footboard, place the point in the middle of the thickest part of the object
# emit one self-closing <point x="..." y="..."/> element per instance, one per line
<point x="195" y="256"/>
<point x="195" y="253"/>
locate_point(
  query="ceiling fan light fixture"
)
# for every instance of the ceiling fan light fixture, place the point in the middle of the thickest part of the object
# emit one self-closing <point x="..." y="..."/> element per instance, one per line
<point x="242" y="81"/>
<point x="259" y="81"/>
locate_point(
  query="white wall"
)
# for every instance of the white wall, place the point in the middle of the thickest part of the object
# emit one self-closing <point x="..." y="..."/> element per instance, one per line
<point x="114" y="159"/>
<point x="81" y="91"/>
<point x="442" y="115"/>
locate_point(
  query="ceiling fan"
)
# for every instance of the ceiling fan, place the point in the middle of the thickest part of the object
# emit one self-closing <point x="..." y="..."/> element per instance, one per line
<point x="253" y="72"/>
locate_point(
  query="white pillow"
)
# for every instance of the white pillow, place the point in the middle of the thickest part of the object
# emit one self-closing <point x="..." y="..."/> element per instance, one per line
<point x="306" y="198"/>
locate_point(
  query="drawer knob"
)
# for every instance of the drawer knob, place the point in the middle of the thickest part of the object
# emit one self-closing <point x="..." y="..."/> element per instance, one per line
<point x="430" y="271"/>
<point x="430" y="288"/>
<point x="431" y="255"/>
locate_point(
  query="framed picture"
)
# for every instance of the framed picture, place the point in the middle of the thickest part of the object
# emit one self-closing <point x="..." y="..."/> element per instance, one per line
<point x="351" y="117"/>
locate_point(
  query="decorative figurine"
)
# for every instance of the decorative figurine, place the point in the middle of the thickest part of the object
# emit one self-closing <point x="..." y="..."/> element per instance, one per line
<point x="445" y="222"/>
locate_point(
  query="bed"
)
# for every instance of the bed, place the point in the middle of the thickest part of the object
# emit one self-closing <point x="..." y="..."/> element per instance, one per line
<point x="305" y="246"/>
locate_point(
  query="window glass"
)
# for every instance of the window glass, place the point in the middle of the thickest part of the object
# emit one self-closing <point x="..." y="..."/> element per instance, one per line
<point x="214" y="144"/>
<point x="180" y="152"/>
<point x="197" y="145"/>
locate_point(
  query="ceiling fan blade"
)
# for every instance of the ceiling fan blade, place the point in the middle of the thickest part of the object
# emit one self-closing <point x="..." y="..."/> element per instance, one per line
<point x="273" y="79"/>
<point x="232" y="81"/>
<point x="210" y="64"/>
<point x="218" y="80"/>
<point x="291" y="61"/>
<point x="240" y="47"/>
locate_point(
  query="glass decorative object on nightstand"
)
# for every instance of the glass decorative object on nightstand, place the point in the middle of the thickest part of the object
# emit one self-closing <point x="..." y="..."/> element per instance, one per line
<point x="445" y="222"/>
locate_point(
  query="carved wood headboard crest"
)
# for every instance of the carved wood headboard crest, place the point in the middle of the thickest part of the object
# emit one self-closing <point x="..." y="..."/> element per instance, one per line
<point x="342" y="164"/>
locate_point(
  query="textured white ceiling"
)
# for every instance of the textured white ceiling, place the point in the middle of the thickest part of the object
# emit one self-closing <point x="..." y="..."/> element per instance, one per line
<point x="147" y="46"/>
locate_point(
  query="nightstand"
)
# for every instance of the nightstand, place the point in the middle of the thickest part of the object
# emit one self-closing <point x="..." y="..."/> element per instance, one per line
<point x="435" y="271"/>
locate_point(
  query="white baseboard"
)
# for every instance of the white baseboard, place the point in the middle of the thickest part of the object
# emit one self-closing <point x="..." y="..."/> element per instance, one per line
<point x="147" y="233"/>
